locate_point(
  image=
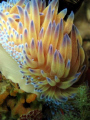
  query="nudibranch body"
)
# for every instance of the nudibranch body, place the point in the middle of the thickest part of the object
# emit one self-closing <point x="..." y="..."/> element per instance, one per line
<point x="39" y="50"/>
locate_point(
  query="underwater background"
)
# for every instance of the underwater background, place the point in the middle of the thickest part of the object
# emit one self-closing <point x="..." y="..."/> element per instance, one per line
<point x="16" y="103"/>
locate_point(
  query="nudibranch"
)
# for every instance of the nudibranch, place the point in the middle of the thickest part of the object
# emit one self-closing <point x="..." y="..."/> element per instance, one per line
<point x="39" y="50"/>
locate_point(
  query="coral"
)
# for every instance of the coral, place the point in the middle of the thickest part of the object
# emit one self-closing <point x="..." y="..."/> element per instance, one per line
<point x="32" y="115"/>
<point x="11" y="103"/>
<point x="4" y="87"/>
<point x="20" y="109"/>
<point x="14" y="91"/>
<point x="30" y="98"/>
<point x="3" y="96"/>
<point x="45" y="49"/>
<point x="15" y="102"/>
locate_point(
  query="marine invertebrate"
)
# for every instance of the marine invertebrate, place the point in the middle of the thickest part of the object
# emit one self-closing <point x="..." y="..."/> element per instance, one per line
<point x="3" y="97"/>
<point x="46" y="49"/>
<point x="30" y="98"/>
<point x="19" y="109"/>
<point x="14" y="102"/>
<point x="80" y="104"/>
<point x="32" y="115"/>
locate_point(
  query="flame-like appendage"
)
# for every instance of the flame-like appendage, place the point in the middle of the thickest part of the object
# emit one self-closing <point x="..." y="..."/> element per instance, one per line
<point x="47" y="48"/>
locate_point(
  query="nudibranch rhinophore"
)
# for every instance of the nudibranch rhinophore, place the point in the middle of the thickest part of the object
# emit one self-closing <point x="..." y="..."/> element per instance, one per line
<point x="39" y="50"/>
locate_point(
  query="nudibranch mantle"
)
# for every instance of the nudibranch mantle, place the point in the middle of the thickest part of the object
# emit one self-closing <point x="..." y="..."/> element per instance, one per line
<point x="39" y="50"/>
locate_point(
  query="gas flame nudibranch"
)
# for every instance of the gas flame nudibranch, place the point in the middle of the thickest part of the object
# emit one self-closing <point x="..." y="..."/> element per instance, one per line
<point x="39" y="50"/>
